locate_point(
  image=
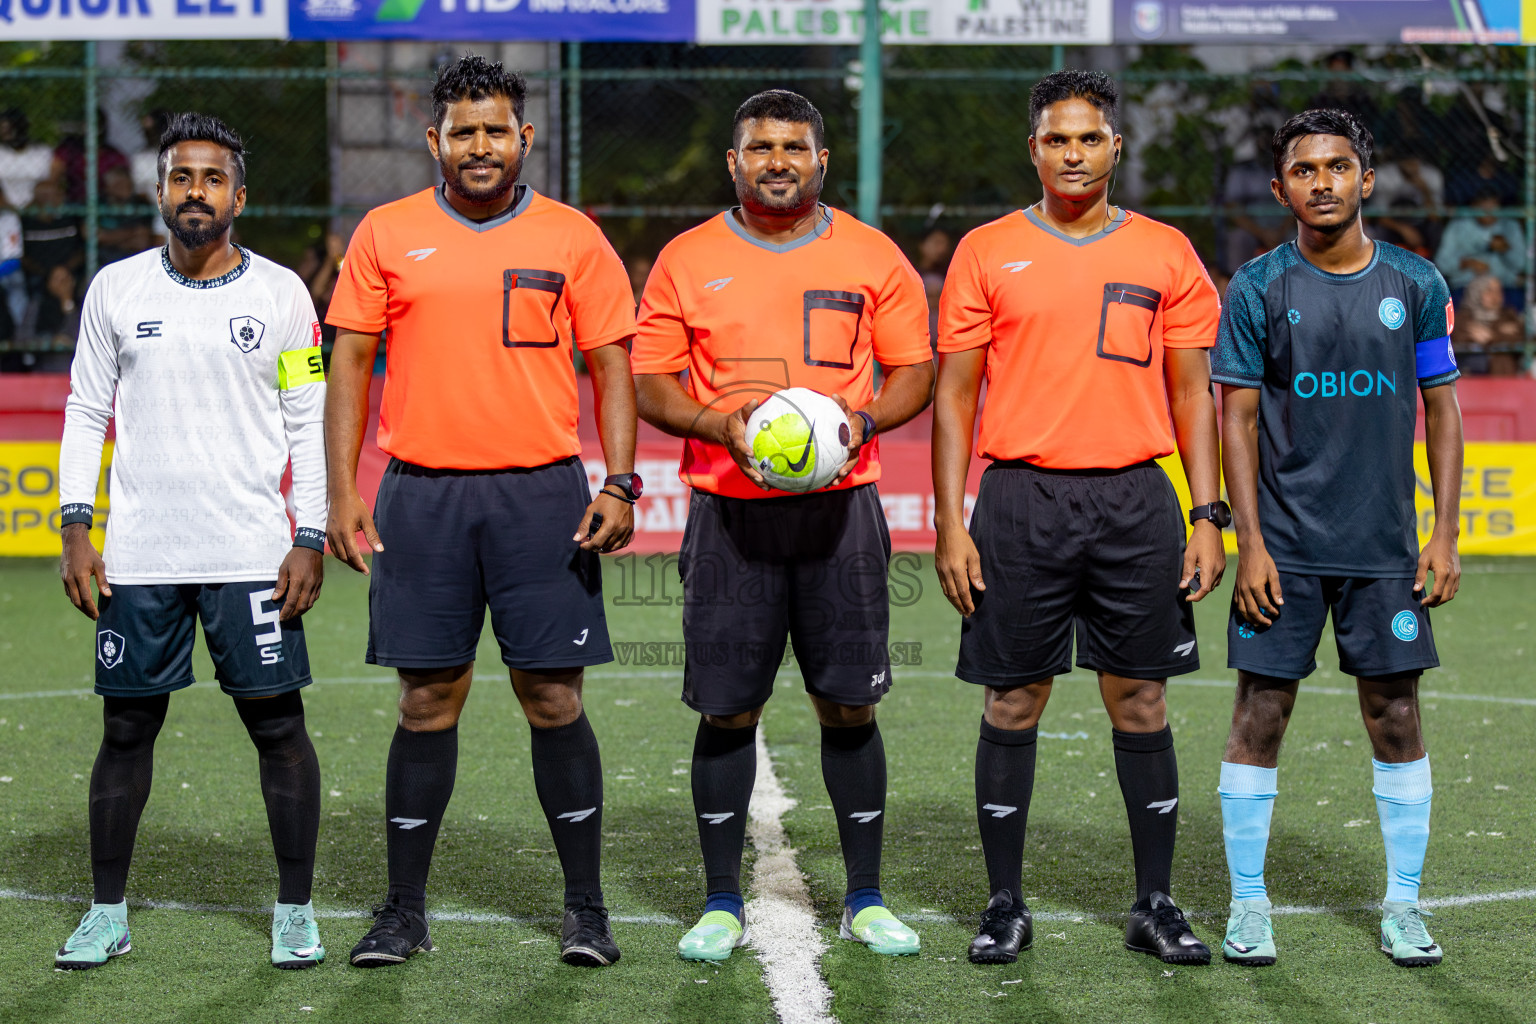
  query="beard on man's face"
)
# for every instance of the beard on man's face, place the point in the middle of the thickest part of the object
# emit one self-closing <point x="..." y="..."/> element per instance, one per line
<point x="453" y="175"/>
<point x="196" y="235"/>
<point x="758" y="199"/>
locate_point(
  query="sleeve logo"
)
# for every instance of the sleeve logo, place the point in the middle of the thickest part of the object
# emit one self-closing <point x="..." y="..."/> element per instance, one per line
<point x="1392" y="313"/>
<point x="246" y="332"/>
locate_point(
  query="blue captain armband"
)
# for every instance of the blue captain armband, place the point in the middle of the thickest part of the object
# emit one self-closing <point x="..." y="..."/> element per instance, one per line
<point x="1434" y="358"/>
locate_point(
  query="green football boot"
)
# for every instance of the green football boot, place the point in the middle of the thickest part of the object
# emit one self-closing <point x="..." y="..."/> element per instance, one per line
<point x="102" y="935"/>
<point x="295" y="937"/>
<point x="717" y="933"/>
<point x="879" y="929"/>
<point x="1404" y="937"/>
<point x="1250" y="938"/>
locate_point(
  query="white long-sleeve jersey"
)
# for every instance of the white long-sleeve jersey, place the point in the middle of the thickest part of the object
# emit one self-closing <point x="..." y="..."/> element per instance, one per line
<point x="217" y="384"/>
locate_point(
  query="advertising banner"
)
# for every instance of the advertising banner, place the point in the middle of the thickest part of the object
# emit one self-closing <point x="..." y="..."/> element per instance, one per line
<point x="1317" y="21"/>
<point x="143" y="19"/>
<point x="29" y="498"/>
<point x="568" y="20"/>
<point x="904" y="22"/>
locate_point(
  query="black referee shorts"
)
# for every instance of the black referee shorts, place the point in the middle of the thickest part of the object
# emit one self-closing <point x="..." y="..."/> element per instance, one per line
<point x="459" y="541"/>
<point x="1096" y="552"/>
<point x="810" y="568"/>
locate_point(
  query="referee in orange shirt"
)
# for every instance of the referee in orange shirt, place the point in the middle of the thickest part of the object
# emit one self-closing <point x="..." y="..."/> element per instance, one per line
<point x="1092" y="326"/>
<point x="484" y="287"/>
<point x="779" y="292"/>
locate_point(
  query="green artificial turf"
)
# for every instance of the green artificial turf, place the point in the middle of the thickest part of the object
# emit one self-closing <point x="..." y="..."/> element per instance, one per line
<point x="204" y="841"/>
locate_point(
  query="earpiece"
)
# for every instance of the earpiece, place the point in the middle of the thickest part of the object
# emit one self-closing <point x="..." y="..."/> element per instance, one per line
<point x="525" y="147"/>
<point x="1117" y="156"/>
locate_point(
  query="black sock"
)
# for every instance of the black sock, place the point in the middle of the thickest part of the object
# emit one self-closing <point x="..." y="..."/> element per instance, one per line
<point x="1005" y="779"/>
<point x="724" y="771"/>
<point x="417" y="786"/>
<point x="568" y="776"/>
<point x="290" y="785"/>
<point x="1149" y="781"/>
<point x="120" y="780"/>
<point x="853" y="767"/>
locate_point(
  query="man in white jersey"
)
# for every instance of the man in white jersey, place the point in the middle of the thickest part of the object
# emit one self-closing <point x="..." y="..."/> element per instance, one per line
<point x="208" y="353"/>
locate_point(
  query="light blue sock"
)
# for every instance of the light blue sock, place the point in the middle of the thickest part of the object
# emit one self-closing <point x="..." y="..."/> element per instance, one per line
<point x="1247" y="802"/>
<point x="1403" y="795"/>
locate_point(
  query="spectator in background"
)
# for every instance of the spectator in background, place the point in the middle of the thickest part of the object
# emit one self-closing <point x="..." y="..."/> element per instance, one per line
<point x="23" y="163"/>
<point x="1467" y="181"/>
<point x="69" y="159"/>
<point x="933" y="254"/>
<point x="1402" y="184"/>
<point x="1489" y="335"/>
<point x="144" y="164"/>
<point x="1343" y="94"/>
<point x="317" y="269"/>
<point x="57" y="310"/>
<point x="13" y="288"/>
<point x="1247" y="185"/>
<point x="120" y="235"/>
<point x="1486" y="244"/>
<point x="49" y="239"/>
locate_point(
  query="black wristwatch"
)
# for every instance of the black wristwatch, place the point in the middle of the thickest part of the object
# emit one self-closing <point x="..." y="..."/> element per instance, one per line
<point x="629" y="483"/>
<point x="1218" y="512"/>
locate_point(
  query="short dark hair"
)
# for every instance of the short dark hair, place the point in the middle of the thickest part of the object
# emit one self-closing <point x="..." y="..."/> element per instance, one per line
<point x="472" y="77"/>
<point x="780" y="105"/>
<point x="1322" y="121"/>
<point x="194" y="127"/>
<point x="1094" y="86"/>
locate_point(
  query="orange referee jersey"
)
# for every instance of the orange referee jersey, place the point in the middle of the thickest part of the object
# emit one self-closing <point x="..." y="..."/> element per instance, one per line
<point x="1075" y="331"/>
<point x="747" y="318"/>
<point x="481" y="320"/>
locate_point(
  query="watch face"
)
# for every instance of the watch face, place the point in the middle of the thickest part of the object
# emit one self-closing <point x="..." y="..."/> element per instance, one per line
<point x="636" y="486"/>
<point x="1222" y="515"/>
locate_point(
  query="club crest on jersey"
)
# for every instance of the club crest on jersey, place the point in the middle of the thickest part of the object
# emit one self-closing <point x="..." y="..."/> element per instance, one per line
<point x="109" y="648"/>
<point x="1405" y="626"/>
<point x="1392" y="313"/>
<point x="246" y="332"/>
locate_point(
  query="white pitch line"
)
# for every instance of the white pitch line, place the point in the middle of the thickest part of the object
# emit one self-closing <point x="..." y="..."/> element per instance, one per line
<point x="454" y="916"/>
<point x="780" y="913"/>
<point x="1433" y="903"/>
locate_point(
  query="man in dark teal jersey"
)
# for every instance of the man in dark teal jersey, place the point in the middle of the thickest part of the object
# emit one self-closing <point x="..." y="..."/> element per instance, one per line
<point x="1321" y="343"/>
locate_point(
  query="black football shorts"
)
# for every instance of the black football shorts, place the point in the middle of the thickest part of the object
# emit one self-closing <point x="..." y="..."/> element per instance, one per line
<point x="145" y="634"/>
<point x="459" y="541"/>
<point x="1379" y="627"/>
<point x="1097" y="553"/>
<point x="809" y="568"/>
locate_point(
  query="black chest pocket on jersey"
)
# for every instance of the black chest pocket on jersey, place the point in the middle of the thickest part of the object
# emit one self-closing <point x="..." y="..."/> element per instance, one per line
<point x="1125" y="323"/>
<point x="832" y="327"/>
<point x="528" y="302"/>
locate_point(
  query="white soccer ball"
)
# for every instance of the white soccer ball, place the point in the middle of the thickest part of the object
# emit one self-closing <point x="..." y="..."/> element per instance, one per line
<point x="799" y="439"/>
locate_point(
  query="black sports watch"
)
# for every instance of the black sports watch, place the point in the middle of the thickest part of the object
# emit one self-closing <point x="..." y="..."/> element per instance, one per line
<point x="1218" y="512"/>
<point x="629" y="483"/>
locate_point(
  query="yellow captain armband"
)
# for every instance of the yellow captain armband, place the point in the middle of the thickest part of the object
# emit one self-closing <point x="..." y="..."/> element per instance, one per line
<point x="298" y="367"/>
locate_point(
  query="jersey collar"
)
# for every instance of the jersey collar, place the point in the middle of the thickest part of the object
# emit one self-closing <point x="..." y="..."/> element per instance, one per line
<point x="823" y="225"/>
<point x="1118" y="219"/>
<point x="519" y="204"/>
<point x="1337" y="278"/>
<point x="212" y="282"/>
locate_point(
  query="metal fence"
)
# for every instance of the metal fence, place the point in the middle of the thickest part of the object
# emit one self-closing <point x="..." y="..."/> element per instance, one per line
<point x="636" y="133"/>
